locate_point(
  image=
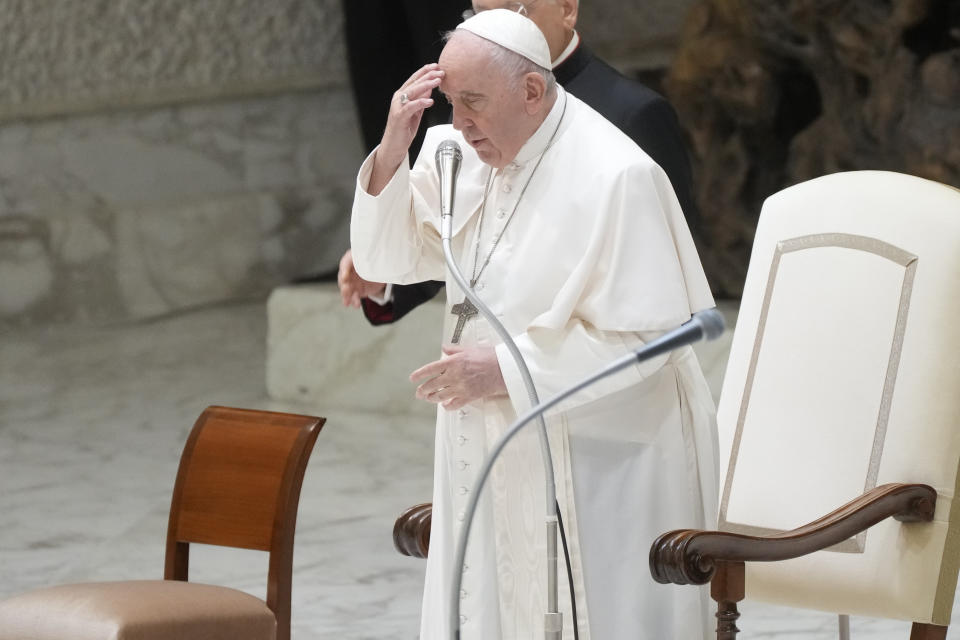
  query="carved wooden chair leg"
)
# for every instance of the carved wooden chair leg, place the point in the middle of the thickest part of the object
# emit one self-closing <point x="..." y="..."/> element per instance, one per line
<point x="927" y="632"/>
<point x="727" y="589"/>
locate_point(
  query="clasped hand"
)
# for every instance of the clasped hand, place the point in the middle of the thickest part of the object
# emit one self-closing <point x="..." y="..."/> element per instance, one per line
<point x="464" y="375"/>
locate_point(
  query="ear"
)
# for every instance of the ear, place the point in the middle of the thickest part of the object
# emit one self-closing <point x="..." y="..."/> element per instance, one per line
<point x="534" y="90"/>
<point x="571" y="10"/>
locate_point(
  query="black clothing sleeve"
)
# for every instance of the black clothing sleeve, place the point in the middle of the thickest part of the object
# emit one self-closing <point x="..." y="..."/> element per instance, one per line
<point x="406" y="297"/>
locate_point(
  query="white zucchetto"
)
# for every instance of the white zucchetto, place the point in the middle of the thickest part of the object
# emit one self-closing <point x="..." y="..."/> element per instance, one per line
<point x="512" y="31"/>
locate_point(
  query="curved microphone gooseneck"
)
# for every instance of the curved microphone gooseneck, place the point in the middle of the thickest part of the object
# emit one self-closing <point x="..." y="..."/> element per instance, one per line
<point x="448" y="158"/>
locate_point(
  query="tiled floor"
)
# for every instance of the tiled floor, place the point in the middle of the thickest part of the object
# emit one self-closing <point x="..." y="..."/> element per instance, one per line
<point x="92" y="422"/>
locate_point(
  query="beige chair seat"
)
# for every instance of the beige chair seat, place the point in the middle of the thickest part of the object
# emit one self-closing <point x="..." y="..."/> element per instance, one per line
<point x="136" y="610"/>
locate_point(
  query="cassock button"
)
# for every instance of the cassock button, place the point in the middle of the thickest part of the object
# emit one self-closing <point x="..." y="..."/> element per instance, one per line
<point x="463" y="619"/>
<point x="501" y="213"/>
<point x="463" y="594"/>
<point x="507" y="188"/>
<point x="462" y="464"/>
<point x="461" y="516"/>
<point x="461" y="440"/>
<point x="464" y="491"/>
<point x="480" y="286"/>
<point x="462" y="413"/>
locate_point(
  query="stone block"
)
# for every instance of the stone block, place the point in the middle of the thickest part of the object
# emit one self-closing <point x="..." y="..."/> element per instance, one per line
<point x="173" y="257"/>
<point x="321" y="352"/>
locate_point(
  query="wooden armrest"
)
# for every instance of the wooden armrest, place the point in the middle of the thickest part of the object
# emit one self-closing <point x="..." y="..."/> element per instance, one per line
<point x="411" y="531"/>
<point x="690" y="556"/>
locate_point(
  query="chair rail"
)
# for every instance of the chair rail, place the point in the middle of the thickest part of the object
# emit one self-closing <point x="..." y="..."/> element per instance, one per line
<point x="690" y="556"/>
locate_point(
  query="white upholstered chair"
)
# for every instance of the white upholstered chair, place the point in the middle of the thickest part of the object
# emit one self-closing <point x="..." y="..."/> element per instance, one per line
<point x="843" y="386"/>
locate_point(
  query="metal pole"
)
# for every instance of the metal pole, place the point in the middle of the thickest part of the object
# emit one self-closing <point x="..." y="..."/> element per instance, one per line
<point x="844" y="622"/>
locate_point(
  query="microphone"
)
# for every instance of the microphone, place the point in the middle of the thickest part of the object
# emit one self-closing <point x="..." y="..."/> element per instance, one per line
<point x="703" y="325"/>
<point x="448" y="159"/>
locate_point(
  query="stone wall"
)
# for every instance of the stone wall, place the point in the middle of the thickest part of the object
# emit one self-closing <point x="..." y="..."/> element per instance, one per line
<point x="157" y="155"/>
<point x="67" y="56"/>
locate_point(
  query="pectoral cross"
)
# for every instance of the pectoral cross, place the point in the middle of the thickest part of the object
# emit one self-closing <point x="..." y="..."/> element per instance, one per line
<point x="465" y="310"/>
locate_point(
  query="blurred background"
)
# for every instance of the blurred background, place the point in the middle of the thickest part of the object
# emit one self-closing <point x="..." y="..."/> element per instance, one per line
<point x="167" y="164"/>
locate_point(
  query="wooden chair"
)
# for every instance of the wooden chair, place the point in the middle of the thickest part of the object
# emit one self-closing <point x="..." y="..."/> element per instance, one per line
<point x="840" y="398"/>
<point x="238" y="485"/>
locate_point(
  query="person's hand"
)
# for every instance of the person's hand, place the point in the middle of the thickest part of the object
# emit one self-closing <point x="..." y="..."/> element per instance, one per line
<point x="403" y="120"/>
<point x="352" y="287"/>
<point x="464" y="375"/>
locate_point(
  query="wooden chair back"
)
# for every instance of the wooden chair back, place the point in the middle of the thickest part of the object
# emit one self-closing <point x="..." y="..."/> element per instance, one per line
<point x="238" y="485"/>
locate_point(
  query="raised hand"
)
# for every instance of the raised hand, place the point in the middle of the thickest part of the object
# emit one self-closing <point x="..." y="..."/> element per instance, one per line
<point x="352" y="287"/>
<point x="403" y="120"/>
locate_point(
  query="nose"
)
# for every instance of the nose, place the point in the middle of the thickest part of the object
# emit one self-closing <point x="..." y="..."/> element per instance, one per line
<point x="459" y="121"/>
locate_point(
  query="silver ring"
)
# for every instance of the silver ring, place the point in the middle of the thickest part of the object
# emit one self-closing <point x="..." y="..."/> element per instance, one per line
<point x="404" y="98"/>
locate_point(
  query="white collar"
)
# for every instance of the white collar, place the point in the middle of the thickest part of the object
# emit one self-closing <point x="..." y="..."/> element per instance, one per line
<point x="571" y="46"/>
<point x="537" y="143"/>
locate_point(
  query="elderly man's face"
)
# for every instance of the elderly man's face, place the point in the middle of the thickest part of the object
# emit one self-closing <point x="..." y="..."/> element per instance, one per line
<point x="487" y="110"/>
<point x="547" y="14"/>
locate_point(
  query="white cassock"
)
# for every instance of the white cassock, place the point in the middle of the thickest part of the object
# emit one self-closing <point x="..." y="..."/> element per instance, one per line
<point x="595" y="260"/>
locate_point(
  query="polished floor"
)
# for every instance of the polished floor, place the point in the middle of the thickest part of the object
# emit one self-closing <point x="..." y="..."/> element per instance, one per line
<point x="92" y="421"/>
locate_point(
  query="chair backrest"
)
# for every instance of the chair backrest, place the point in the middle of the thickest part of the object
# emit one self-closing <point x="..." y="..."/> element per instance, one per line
<point x="843" y="375"/>
<point x="238" y="485"/>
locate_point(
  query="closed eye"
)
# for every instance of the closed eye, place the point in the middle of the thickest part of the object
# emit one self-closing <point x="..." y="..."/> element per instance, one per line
<point x="474" y="102"/>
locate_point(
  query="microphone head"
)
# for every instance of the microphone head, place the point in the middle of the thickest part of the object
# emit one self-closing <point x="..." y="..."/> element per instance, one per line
<point x="448" y="149"/>
<point x="448" y="167"/>
<point x="711" y="321"/>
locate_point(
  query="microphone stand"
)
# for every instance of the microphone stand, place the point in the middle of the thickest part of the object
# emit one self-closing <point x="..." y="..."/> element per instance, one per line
<point x="553" y="620"/>
<point x="706" y="324"/>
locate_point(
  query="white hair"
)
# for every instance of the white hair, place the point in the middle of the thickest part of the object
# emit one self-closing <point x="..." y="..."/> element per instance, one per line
<point x="514" y="66"/>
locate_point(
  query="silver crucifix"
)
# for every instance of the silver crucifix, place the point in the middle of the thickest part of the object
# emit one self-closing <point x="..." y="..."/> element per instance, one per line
<point x="465" y="310"/>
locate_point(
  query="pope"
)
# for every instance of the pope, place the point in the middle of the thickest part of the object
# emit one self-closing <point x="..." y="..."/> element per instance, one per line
<point x="574" y="237"/>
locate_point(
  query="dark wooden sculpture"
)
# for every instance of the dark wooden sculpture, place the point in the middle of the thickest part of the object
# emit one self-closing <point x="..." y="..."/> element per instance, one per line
<point x="689" y="556"/>
<point x="775" y="92"/>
